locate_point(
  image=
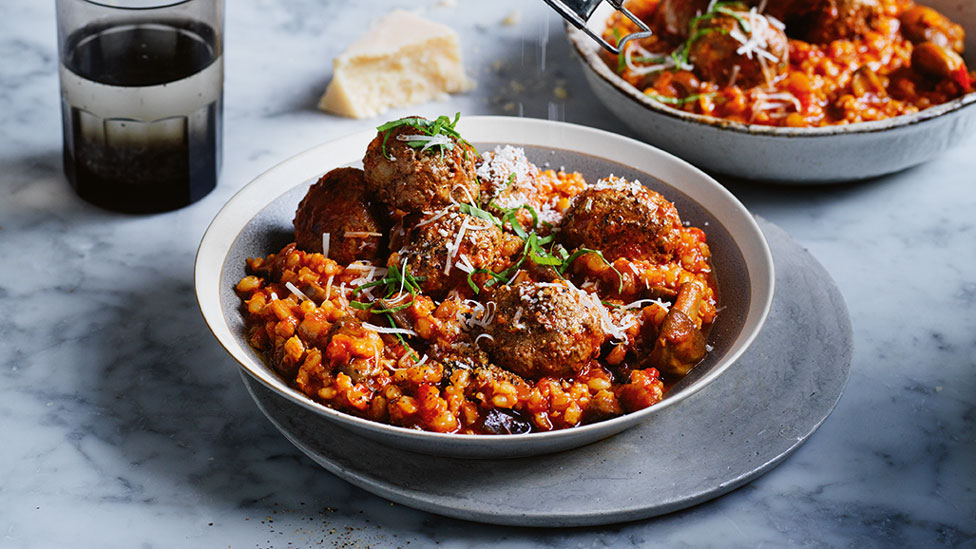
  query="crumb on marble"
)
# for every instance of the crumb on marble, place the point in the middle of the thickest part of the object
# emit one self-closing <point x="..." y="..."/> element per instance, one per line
<point x="513" y="18"/>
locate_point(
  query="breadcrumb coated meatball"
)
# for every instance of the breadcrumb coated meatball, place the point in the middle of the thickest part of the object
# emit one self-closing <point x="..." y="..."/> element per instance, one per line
<point x="622" y="219"/>
<point x="438" y="242"/>
<point x="822" y="21"/>
<point x="674" y="16"/>
<point x="544" y="329"/>
<point x="337" y="204"/>
<point x="721" y="55"/>
<point x="411" y="179"/>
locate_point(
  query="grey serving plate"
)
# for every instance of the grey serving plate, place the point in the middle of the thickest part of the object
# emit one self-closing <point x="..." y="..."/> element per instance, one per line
<point x="743" y="424"/>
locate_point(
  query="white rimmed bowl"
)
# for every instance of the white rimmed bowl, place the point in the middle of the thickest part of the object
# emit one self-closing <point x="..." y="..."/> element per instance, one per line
<point x="258" y="221"/>
<point x="784" y="155"/>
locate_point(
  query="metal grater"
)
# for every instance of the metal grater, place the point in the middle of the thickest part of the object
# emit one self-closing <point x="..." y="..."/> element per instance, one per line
<point x="578" y="12"/>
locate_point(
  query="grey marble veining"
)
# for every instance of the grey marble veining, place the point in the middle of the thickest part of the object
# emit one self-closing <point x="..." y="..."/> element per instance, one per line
<point x="124" y="424"/>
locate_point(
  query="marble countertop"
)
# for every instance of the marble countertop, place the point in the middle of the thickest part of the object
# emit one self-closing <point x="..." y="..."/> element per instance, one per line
<point x="124" y="423"/>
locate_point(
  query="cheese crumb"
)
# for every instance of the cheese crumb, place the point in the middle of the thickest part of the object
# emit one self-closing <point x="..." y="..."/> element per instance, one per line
<point x="403" y="59"/>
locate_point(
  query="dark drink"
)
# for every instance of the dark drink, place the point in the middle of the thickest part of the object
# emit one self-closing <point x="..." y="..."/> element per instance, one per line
<point x="142" y="108"/>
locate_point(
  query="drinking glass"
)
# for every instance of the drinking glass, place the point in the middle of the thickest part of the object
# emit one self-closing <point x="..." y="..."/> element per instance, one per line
<point x="141" y="100"/>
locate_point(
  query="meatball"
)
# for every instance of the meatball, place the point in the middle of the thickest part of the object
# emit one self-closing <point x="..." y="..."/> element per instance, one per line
<point x="722" y="53"/>
<point x="337" y="204"/>
<point x="544" y="329"/>
<point x="674" y="16"/>
<point x="622" y="219"/>
<point x="443" y="246"/>
<point x="411" y="179"/>
<point x="822" y="21"/>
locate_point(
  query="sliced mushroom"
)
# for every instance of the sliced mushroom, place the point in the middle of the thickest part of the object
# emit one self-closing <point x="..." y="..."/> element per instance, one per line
<point x="680" y="345"/>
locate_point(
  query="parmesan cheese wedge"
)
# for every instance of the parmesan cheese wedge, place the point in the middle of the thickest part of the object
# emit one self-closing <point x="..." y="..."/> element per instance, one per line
<point x="403" y="59"/>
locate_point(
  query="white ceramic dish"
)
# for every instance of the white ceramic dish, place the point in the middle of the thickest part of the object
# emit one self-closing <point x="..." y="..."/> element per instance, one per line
<point x="257" y="221"/>
<point x="739" y="427"/>
<point x="785" y="155"/>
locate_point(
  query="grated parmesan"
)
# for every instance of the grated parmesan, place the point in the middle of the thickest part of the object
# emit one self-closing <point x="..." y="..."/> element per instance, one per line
<point x="385" y="330"/>
<point x="429" y="141"/>
<point x="634" y="188"/>
<point x="639" y="304"/>
<point x="298" y="293"/>
<point x="480" y="316"/>
<point x="464" y="264"/>
<point x="434" y="218"/>
<point x="452" y="250"/>
<point x="496" y="169"/>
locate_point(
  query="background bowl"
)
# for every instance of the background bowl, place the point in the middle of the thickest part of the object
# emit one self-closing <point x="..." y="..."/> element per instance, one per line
<point x="258" y="221"/>
<point x="786" y="155"/>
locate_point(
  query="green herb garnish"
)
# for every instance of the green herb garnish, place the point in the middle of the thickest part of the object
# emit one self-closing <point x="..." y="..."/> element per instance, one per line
<point x="583" y="251"/>
<point x="394" y="281"/>
<point x="475" y="211"/>
<point x="679" y="56"/>
<point x="429" y="128"/>
<point x="678" y="100"/>
<point x="399" y="337"/>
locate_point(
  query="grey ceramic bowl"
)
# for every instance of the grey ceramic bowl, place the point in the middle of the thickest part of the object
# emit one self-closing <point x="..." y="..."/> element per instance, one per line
<point x="785" y="155"/>
<point x="257" y="221"/>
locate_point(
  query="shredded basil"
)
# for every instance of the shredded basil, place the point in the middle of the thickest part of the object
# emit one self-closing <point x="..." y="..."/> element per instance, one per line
<point x="583" y="251"/>
<point x="475" y="211"/>
<point x="667" y="100"/>
<point x="680" y="55"/>
<point x="399" y="337"/>
<point x="441" y="126"/>
<point x="394" y="280"/>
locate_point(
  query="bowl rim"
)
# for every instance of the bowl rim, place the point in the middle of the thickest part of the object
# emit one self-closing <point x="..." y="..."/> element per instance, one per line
<point x="588" y="51"/>
<point x="303" y="167"/>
